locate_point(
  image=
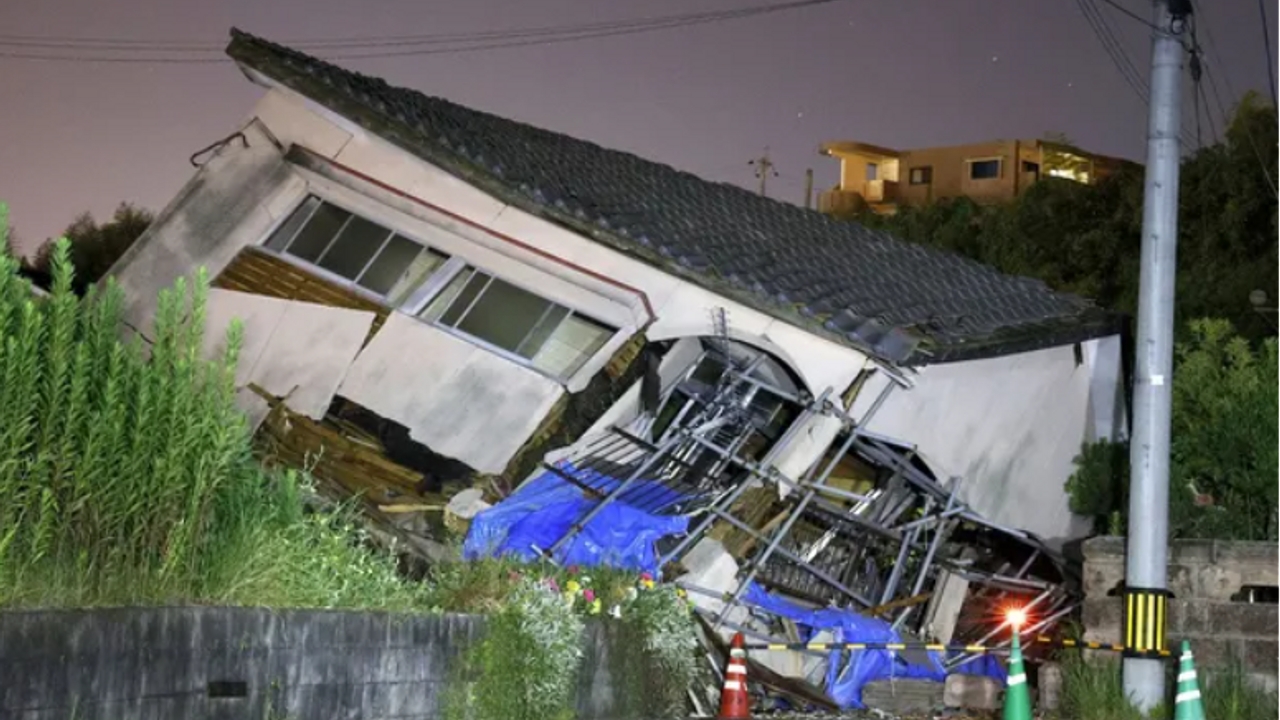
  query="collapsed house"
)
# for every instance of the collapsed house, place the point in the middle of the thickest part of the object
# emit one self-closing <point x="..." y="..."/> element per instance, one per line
<point x="436" y="299"/>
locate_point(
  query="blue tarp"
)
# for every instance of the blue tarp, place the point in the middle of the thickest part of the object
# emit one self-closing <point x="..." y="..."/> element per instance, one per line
<point x="845" y="680"/>
<point x="542" y="510"/>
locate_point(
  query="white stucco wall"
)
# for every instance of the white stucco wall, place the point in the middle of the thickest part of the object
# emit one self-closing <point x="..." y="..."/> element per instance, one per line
<point x="295" y="350"/>
<point x="1010" y="427"/>
<point x="455" y="398"/>
<point x="231" y="201"/>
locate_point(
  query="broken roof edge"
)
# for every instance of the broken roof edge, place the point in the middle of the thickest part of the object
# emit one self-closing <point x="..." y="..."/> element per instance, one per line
<point x="899" y="346"/>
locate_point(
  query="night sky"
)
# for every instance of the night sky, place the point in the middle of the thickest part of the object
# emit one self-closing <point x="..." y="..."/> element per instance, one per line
<point x="902" y="73"/>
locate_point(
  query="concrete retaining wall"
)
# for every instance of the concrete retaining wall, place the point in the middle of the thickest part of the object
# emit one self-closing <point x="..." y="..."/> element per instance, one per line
<point x="1207" y="607"/>
<point x="248" y="664"/>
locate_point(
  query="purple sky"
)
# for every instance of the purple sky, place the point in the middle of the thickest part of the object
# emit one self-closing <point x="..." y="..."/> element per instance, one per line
<point x="902" y="73"/>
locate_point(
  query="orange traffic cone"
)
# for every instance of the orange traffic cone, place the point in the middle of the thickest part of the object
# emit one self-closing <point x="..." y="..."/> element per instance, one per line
<point x="734" y="703"/>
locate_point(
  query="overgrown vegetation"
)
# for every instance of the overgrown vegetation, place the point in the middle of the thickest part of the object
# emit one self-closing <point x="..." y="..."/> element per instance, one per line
<point x="1224" y="458"/>
<point x="542" y="606"/>
<point x="1092" y="689"/>
<point x="127" y="473"/>
<point x="527" y="664"/>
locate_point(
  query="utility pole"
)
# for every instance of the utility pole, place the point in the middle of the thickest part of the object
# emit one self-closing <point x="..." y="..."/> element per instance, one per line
<point x="808" y="189"/>
<point x="1146" y="575"/>
<point x="764" y="168"/>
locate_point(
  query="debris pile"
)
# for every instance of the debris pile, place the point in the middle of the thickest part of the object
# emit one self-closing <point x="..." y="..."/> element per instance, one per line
<point x="717" y="479"/>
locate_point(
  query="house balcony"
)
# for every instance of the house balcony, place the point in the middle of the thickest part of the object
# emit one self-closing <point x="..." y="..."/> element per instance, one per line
<point x="879" y="194"/>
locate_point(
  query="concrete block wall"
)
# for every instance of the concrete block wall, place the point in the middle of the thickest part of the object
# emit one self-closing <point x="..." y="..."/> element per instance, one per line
<point x="1205" y="578"/>
<point x="249" y="664"/>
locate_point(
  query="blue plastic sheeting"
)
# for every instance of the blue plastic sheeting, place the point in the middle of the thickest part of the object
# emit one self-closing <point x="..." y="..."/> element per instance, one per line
<point x="844" y="681"/>
<point x="642" y="494"/>
<point x="542" y="510"/>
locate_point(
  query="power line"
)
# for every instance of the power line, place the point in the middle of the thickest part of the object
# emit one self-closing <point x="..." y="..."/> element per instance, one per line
<point x="1126" y="11"/>
<point x="1266" y="43"/>
<point x="455" y="42"/>
<point x="134" y="44"/>
<point x="1119" y="56"/>
<point x="1114" y="51"/>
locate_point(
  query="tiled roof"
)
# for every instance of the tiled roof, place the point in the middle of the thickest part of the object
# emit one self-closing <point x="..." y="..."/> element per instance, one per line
<point x="901" y="302"/>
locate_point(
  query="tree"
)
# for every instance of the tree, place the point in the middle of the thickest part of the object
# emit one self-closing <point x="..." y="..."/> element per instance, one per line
<point x="95" y="248"/>
<point x="1223" y="456"/>
<point x="1086" y="239"/>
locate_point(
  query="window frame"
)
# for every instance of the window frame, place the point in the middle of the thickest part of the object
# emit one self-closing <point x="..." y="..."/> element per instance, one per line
<point x="926" y="172"/>
<point x="419" y="300"/>
<point x="971" y="162"/>
<point x="421" y="296"/>
<point x="329" y="275"/>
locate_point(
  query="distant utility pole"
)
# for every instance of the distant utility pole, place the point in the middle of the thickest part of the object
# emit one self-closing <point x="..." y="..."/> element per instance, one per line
<point x="764" y="168"/>
<point x="1146" y="575"/>
<point x="808" y="189"/>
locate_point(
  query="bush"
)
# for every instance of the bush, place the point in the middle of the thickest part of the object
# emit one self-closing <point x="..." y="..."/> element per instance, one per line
<point x="526" y="665"/>
<point x="128" y="476"/>
<point x="652" y="622"/>
<point x="1223" y="450"/>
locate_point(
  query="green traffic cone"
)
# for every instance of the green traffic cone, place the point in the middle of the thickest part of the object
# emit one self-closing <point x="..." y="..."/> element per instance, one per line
<point x="1187" y="704"/>
<point x="1017" y="698"/>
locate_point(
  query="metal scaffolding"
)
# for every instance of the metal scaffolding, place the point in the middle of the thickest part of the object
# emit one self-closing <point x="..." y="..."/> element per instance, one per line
<point x="879" y="549"/>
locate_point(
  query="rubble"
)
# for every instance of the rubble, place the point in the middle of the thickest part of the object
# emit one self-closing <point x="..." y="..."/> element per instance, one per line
<point x="864" y="539"/>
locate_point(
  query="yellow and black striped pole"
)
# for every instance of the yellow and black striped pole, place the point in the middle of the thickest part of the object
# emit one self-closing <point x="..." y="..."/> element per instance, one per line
<point x="1043" y="640"/>
<point x="1145" y="620"/>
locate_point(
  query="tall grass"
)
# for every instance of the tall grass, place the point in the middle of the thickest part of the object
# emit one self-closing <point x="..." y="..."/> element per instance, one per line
<point x="1228" y="695"/>
<point x="126" y="471"/>
<point x="1092" y="689"/>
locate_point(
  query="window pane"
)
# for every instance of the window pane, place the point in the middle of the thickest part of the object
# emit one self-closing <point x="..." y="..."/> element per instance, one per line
<point x="504" y="315"/>
<point x="315" y="237"/>
<point x="572" y="344"/>
<point x="548" y="325"/>
<point x="392" y="263"/>
<point x="984" y="169"/>
<point x="445" y="298"/>
<point x="423" y="266"/>
<point x="283" y="234"/>
<point x="355" y="245"/>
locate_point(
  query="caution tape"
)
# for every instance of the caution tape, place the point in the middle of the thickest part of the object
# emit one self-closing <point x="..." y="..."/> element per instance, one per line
<point x="941" y="647"/>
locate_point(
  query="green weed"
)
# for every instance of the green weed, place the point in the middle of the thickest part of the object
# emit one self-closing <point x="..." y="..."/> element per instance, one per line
<point x="128" y="476"/>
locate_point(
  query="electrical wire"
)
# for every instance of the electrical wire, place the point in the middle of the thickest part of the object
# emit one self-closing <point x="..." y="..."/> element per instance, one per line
<point x="33" y="47"/>
<point x="1126" y="11"/>
<point x="1199" y="18"/>
<point x="133" y="44"/>
<point x="1119" y="58"/>
<point x="1266" y="44"/>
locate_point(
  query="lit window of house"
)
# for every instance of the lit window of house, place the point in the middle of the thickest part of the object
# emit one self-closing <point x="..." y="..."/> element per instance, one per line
<point x="921" y="175"/>
<point x="984" y="169"/>
<point x="358" y="251"/>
